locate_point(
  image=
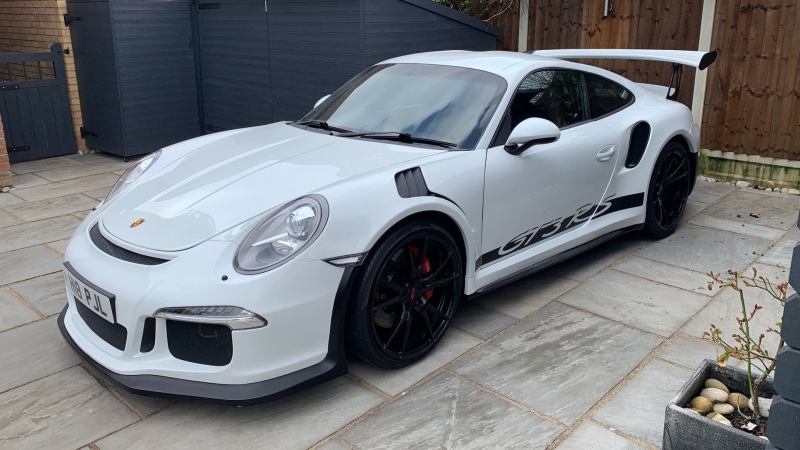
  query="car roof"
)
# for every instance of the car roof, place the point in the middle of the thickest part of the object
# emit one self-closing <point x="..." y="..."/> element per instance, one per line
<point x="506" y="64"/>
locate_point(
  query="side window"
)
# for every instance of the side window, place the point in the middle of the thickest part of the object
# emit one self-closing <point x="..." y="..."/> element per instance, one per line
<point x="555" y="95"/>
<point x="605" y="96"/>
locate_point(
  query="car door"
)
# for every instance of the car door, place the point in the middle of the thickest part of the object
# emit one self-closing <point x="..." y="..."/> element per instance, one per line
<point x="540" y="199"/>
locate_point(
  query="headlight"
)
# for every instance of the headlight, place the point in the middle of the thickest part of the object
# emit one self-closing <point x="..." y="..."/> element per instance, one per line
<point x="133" y="173"/>
<point x="281" y="236"/>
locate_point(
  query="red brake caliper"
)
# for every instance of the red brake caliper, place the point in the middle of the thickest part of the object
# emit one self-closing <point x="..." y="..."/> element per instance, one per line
<point x="426" y="268"/>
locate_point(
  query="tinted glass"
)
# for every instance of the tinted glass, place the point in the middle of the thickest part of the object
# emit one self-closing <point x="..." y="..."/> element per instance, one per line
<point x="451" y="104"/>
<point x="555" y="95"/>
<point x="605" y="96"/>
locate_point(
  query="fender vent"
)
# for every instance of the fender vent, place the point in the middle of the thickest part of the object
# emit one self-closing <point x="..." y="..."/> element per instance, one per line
<point x="640" y="136"/>
<point x="118" y="252"/>
<point x="411" y="183"/>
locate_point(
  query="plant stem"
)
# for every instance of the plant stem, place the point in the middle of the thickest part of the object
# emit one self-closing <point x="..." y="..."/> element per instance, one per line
<point x="751" y="387"/>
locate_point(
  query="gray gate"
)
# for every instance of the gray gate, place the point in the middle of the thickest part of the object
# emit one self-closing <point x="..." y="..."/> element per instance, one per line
<point x="34" y="105"/>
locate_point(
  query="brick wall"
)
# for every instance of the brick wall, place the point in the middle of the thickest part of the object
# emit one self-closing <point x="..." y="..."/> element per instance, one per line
<point x="5" y="168"/>
<point x="33" y="26"/>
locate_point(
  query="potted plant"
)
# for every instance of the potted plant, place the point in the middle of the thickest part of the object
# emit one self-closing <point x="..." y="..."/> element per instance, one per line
<point x="715" y="408"/>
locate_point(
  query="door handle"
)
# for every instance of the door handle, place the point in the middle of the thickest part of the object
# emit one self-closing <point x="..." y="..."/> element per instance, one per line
<point x="606" y="153"/>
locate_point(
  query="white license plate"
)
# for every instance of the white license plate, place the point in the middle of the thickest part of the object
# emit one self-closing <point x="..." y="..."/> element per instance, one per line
<point x="97" y="302"/>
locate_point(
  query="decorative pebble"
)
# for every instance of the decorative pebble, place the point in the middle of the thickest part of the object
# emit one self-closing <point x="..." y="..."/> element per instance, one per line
<point x="714" y="394"/>
<point x="721" y="419"/>
<point x="702" y="405"/>
<point x="724" y="408"/>
<point x="5" y="189"/>
<point x="738" y="400"/>
<point x="714" y="383"/>
<point x="793" y="191"/>
<point x="764" y="405"/>
<point x="742" y="184"/>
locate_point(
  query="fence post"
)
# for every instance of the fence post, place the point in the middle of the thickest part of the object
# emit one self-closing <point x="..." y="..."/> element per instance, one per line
<point x="784" y="416"/>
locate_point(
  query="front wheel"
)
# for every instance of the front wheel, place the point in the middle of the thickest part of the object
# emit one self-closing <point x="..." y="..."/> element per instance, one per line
<point x="411" y="286"/>
<point x="668" y="191"/>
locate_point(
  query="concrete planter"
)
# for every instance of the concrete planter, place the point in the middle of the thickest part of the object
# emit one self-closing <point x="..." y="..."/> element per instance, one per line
<point x="687" y="430"/>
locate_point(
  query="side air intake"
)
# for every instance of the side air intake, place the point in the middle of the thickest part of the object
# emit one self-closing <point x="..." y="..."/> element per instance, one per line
<point x="640" y="136"/>
<point x="411" y="183"/>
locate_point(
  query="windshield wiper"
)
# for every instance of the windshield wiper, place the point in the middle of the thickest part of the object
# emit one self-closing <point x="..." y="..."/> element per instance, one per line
<point x="322" y="125"/>
<point x="401" y="137"/>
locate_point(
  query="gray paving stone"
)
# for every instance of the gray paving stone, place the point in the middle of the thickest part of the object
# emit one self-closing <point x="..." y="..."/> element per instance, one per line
<point x="39" y="232"/>
<point x="332" y="444"/>
<point x="481" y="322"/>
<point x="98" y="194"/>
<point x="27" y="180"/>
<point x="693" y="208"/>
<point x="14" y="312"/>
<point x="454" y="344"/>
<point x="298" y="421"/>
<point x="32" y="352"/>
<point x="448" y="412"/>
<point x="726" y="307"/>
<point x="7" y="199"/>
<point x="704" y="249"/>
<point x="525" y="296"/>
<point x="708" y="192"/>
<point x="84" y="169"/>
<point x="781" y="253"/>
<point x="585" y="265"/>
<point x="27" y="263"/>
<point x="640" y="303"/>
<point x="59" y="246"/>
<point x="7" y="219"/>
<point x="687" y="351"/>
<point x="559" y="361"/>
<point x="62" y="188"/>
<point x="143" y="404"/>
<point x="664" y="273"/>
<point x="43" y="164"/>
<point x="46" y="293"/>
<point x="593" y="436"/>
<point x="771" y="210"/>
<point x="65" y="410"/>
<point x="638" y="408"/>
<point x="45" y="209"/>
<point x="749" y="229"/>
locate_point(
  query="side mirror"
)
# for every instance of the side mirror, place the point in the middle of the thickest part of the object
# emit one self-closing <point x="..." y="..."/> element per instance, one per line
<point x="319" y="102"/>
<point x="531" y="132"/>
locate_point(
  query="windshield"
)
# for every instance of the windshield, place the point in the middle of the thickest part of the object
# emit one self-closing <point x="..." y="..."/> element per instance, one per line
<point x="448" y="104"/>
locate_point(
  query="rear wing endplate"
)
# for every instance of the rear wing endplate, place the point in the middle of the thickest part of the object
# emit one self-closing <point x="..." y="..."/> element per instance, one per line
<point x="678" y="58"/>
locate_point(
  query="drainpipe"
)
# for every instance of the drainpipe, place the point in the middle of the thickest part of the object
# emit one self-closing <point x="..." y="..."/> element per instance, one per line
<point x="783" y="426"/>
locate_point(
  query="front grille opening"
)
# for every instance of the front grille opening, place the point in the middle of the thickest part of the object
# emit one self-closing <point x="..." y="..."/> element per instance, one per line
<point x="200" y="343"/>
<point x="148" y="335"/>
<point x="113" y="333"/>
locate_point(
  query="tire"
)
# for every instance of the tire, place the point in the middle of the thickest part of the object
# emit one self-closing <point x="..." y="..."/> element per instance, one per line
<point x="668" y="191"/>
<point x="401" y="310"/>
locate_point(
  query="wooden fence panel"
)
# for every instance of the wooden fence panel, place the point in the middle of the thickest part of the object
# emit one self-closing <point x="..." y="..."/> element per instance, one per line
<point x="753" y="93"/>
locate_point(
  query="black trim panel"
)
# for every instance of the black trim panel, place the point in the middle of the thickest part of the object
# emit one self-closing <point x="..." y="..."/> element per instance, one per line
<point x="411" y="183"/>
<point x="113" y="333"/>
<point x="118" y="252"/>
<point x="332" y="366"/>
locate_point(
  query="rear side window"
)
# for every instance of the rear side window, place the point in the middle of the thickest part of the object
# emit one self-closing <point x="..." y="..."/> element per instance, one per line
<point x="605" y="96"/>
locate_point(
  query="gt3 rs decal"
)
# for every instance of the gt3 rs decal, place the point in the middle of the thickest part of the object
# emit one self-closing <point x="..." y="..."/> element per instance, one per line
<point x="559" y="225"/>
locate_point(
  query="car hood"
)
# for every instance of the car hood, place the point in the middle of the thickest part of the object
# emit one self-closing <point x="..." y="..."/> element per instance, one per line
<point x="220" y="183"/>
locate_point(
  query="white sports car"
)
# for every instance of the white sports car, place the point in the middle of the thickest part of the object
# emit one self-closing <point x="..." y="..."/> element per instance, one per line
<point x="244" y="264"/>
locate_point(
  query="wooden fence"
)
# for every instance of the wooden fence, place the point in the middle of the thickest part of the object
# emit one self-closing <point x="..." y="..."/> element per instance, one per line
<point x="753" y="91"/>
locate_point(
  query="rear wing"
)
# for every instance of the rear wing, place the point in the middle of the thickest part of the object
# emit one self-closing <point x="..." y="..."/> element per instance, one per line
<point x="678" y="58"/>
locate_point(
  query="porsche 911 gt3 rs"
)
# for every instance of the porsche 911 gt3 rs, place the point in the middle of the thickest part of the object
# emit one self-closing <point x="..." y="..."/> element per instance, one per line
<point x="247" y="263"/>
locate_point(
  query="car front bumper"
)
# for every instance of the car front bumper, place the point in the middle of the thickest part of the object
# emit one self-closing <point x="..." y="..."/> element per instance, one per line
<point x="303" y="302"/>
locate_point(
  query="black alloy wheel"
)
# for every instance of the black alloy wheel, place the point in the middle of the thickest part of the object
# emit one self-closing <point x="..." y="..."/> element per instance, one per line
<point x="669" y="191"/>
<point x="410" y="291"/>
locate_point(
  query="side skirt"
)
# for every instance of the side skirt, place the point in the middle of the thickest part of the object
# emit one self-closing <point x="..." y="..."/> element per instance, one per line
<point x="555" y="259"/>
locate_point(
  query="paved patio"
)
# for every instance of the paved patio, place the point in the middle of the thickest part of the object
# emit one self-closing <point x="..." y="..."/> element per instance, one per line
<point x="584" y="355"/>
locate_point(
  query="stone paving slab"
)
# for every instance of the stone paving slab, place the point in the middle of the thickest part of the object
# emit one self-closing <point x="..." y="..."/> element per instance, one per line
<point x="393" y="382"/>
<point x="593" y="436"/>
<point x="45" y="209"/>
<point x="481" y="322"/>
<point x="749" y="229"/>
<point x="457" y="414"/>
<point x="687" y="351"/>
<point x="781" y="253"/>
<point x="28" y="263"/>
<point x="46" y="293"/>
<point x="664" y="273"/>
<point x="65" y="410"/>
<point x="14" y="312"/>
<point x="26" y="180"/>
<point x="295" y="422"/>
<point x="752" y="207"/>
<point x="525" y="296"/>
<point x="559" y="361"/>
<point x="40" y="232"/>
<point x="7" y="219"/>
<point x="640" y="303"/>
<point x="705" y="192"/>
<point x="638" y="408"/>
<point x="593" y="261"/>
<point x="7" y="199"/>
<point x="73" y="186"/>
<point x="705" y="249"/>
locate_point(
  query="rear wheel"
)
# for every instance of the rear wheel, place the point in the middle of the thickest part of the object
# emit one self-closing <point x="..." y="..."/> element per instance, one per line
<point x="668" y="191"/>
<point x="410" y="289"/>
